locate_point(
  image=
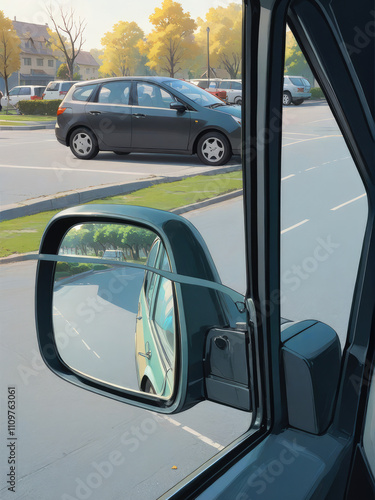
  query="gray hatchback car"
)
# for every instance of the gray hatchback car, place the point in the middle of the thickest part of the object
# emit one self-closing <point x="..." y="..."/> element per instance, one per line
<point x="148" y="115"/>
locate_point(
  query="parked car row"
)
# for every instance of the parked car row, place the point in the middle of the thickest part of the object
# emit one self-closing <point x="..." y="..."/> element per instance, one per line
<point x="54" y="90"/>
<point x="296" y="89"/>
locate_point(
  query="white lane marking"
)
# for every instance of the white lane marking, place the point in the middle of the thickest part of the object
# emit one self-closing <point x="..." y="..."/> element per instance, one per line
<point x="347" y="202"/>
<point x="97" y="355"/>
<point x="203" y="438"/>
<point x="86" y="345"/>
<point x="288" y="177"/>
<point x="311" y="168"/>
<point x="299" y="133"/>
<point x="200" y="436"/>
<point x="312" y="139"/>
<point x="322" y="120"/>
<point x="73" y="169"/>
<point x="295" y="225"/>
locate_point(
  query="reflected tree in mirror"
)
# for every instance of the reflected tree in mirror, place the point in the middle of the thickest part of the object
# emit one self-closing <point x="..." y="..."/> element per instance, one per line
<point x="116" y="323"/>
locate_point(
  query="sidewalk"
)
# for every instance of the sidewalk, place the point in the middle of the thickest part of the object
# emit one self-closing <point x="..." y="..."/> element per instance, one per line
<point x="29" y="125"/>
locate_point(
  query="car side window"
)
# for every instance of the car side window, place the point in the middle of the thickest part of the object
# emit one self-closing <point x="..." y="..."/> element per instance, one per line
<point x="153" y="96"/>
<point x="115" y="93"/>
<point x="83" y="93"/>
<point x="25" y="91"/>
<point x="236" y="86"/>
<point x="14" y="91"/>
<point x="164" y="312"/>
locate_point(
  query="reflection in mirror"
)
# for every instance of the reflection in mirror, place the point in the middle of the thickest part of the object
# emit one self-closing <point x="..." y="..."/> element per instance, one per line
<point x="113" y="323"/>
<point x="121" y="242"/>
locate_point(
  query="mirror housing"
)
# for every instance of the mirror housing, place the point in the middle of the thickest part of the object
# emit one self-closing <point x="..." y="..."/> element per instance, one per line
<point x="311" y="354"/>
<point x="201" y="300"/>
<point x="178" y="106"/>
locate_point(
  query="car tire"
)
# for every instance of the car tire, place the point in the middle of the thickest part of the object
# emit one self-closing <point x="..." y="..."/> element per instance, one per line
<point x="297" y="102"/>
<point x="83" y="144"/>
<point x="287" y="99"/>
<point x="121" y="153"/>
<point x="238" y="100"/>
<point x="214" y="149"/>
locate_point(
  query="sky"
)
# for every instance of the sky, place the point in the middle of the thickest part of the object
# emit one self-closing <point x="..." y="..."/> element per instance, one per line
<point x="101" y="15"/>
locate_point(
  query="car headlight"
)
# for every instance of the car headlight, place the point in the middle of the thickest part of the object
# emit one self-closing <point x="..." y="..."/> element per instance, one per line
<point x="236" y="119"/>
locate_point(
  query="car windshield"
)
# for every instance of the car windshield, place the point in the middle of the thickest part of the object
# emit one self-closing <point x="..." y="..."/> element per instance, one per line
<point x="195" y="93"/>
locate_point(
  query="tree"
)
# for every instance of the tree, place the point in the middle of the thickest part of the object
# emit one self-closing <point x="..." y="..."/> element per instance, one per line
<point x="225" y="45"/>
<point x="172" y="40"/>
<point x="121" y="54"/>
<point x="295" y="62"/>
<point x="63" y="73"/>
<point x="67" y="39"/>
<point x="10" y="48"/>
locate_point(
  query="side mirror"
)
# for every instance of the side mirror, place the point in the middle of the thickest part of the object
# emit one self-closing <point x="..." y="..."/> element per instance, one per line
<point x="178" y="106"/>
<point x="126" y="300"/>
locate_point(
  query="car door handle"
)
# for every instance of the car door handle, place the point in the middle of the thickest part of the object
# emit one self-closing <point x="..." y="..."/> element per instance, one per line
<point x="145" y="354"/>
<point x="139" y="115"/>
<point x="95" y="112"/>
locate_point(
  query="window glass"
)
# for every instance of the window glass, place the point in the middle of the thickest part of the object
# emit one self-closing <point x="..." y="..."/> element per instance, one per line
<point x="369" y="432"/>
<point x="115" y="92"/>
<point x="237" y="85"/>
<point x="83" y="93"/>
<point x="14" y="91"/>
<point x="39" y="91"/>
<point x="53" y="86"/>
<point x="66" y="86"/>
<point x="164" y="313"/>
<point x="323" y="208"/>
<point x="150" y="95"/>
<point x="25" y="91"/>
<point x="39" y="62"/>
<point x="296" y="81"/>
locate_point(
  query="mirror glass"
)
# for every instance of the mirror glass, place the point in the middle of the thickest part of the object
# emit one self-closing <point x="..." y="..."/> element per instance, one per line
<point x="113" y="323"/>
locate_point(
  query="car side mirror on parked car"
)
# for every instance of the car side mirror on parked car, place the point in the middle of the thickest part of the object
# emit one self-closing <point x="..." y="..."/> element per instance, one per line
<point x="178" y="106"/>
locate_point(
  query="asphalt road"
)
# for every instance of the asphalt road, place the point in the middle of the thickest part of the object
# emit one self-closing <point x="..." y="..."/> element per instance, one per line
<point x="73" y="444"/>
<point x="33" y="164"/>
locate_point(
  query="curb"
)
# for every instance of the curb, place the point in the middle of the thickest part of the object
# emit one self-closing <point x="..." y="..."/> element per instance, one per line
<point x="29" y="127"/>
<point x="78" y="197"/>
<point x="181" y="210"/>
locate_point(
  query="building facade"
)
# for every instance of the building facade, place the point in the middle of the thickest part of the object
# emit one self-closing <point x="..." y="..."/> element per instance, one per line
<point x="39" y="64"/>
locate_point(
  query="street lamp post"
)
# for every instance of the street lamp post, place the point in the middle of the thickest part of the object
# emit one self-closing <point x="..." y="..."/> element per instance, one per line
<point x="208" y="56"/>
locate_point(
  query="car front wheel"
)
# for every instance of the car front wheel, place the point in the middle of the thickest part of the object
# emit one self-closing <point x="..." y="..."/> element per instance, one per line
<point x="83" y="144"/>
<point x="214" y="149"/>
<point x="286" y="99"/>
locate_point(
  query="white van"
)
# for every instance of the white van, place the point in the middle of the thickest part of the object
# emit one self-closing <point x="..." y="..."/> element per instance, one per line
<point x="57" y="89"/>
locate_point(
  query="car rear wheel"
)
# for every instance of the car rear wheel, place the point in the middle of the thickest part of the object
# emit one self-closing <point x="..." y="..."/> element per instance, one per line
<point x="297" y="102"/>
<point x="214" y="149"/>
<point x="287" y="99"/>
<point x="149" y="388"/>
<point x="83" y="144"/>
<point x="238" y="100"/>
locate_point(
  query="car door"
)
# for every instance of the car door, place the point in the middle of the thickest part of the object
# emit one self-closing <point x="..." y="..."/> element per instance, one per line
<point x="154" y="124"/>
<point x="110" y="114"/>
<point x="277" y="458"/>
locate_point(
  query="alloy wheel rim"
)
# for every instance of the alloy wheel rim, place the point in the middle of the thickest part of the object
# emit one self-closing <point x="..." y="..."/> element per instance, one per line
<point x="213" y="149"/>
<point x="82" y="144"/>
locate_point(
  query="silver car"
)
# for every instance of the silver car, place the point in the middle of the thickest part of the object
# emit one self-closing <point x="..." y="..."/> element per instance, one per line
<point x="296" y="90"/>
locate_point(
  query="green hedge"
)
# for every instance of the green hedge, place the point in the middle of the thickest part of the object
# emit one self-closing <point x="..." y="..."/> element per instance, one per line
<point x="48" y="108"/>
<point x="317" y="93"/>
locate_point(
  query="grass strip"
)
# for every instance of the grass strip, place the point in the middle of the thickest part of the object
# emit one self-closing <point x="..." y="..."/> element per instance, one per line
<point x="22" y="235"/>
<point x="24" y="118"/>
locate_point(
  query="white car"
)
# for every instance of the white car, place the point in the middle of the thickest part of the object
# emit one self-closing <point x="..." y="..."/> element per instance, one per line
<point x="233" y="89"/>
<point x="23" y="93"/>
<point x="57" y="89"/>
